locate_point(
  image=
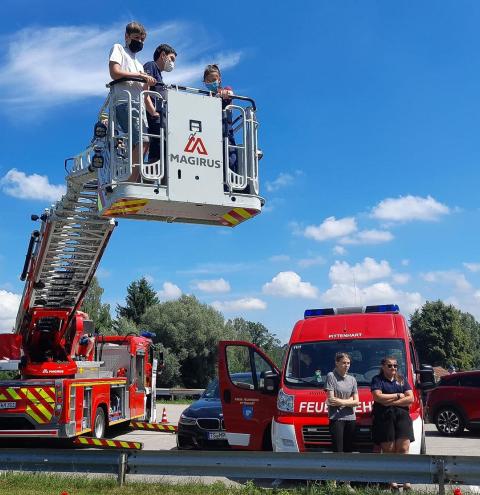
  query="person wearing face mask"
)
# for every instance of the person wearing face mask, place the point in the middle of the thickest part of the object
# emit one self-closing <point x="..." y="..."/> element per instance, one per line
<point x="164" y="58"/>
<point x="392" y="426"/>
<point x="212" y="78"/>
<point x="123" y="63"/>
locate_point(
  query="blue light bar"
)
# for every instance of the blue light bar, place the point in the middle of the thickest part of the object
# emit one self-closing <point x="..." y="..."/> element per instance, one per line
<point x="147" y="334"/>
<point x="383" y="308"/>
<point x="310" y="313"/>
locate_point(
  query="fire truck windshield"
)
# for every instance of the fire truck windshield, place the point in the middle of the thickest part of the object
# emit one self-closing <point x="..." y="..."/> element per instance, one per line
<point x="309" y="362"/>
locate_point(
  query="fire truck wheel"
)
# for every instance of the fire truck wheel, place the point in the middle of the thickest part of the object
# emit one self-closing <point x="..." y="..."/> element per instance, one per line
<point x="99" y="423"/>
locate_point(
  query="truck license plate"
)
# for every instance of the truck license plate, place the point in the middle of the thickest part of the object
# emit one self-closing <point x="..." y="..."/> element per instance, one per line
<point x="217" y="435"/>
<point x="8" y="405"/>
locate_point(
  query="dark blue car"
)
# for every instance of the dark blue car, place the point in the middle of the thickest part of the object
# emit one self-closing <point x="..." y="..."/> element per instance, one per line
<point x="201" y="425"/>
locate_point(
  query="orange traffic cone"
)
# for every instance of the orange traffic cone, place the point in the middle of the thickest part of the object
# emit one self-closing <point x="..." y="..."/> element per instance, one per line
<point x="164" y="416"/>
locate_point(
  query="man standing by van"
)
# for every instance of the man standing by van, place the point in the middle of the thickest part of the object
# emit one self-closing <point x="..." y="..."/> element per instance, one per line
<point x="164" y="58"/>
<point x="123" y="63"/>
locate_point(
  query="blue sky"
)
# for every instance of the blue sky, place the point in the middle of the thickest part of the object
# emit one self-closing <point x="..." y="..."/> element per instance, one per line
<point x="369" y="116"/>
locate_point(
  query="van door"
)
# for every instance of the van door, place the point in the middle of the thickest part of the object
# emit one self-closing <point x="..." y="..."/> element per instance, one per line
<point x="247" y="406"/>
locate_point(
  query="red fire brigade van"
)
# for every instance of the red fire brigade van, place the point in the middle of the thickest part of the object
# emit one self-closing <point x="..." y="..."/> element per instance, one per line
<point x="286" y="410"/>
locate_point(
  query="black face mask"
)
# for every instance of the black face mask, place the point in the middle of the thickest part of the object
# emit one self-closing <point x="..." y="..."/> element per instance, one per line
<point x="135" y="46"/>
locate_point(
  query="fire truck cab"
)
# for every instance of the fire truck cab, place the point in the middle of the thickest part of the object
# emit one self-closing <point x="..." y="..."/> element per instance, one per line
<point x="286" y="409"/>
<point x="207" y="171"/>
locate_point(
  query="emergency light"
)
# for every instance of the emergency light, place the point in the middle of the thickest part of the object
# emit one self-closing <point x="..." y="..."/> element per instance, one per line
<point x="383" y="308"/>
<point x="310" y="313"/>
<point x="380" y="308"/>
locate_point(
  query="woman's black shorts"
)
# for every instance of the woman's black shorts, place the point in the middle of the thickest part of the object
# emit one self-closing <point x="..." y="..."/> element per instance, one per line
<point x="392" y="424"/>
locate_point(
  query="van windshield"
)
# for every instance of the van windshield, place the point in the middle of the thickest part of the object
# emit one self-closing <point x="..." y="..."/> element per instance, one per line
<point x="308" y="363"/>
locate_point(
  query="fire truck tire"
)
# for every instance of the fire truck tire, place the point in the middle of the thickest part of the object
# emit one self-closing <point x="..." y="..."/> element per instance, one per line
<point x="99" y="423"/>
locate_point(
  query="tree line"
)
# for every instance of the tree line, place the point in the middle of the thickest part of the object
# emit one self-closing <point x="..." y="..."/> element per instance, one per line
<point x="185" y="330"/>
<point x="188" y="331"/>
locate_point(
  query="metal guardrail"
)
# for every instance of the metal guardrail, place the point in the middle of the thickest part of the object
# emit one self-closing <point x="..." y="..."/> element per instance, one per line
<point x="424" y="469"/>
<point x="179" y="392"/>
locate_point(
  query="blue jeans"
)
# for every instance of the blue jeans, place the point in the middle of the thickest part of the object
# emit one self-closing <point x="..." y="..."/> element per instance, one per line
<point x="122" y="119"/>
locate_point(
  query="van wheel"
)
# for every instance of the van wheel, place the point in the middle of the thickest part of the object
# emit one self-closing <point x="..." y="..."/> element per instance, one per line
<point x="449" y="422"/>
<point x="99" y="423"/>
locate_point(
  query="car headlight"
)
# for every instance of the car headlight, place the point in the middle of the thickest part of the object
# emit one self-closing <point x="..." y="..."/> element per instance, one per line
<point x="284" y="401"/>
<point x="185" y="420"/>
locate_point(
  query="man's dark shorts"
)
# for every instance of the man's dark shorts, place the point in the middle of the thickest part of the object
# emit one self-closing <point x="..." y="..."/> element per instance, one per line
<point x="392" y="424"/>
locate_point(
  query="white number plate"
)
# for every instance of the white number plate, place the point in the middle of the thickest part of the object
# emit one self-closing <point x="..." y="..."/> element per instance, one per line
<point x="8" y="405"/>
<point x="217" y="435"/>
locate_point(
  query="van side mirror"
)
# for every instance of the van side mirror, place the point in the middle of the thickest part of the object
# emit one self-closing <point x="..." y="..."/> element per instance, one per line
<point x="427" y="377"/>
<point x="271" y="381"/>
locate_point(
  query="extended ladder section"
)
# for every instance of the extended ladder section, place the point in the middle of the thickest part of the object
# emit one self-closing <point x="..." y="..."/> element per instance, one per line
<point x="63" y="256"/>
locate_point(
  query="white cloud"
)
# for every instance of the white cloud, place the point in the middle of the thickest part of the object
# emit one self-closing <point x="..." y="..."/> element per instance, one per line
<point x="401" y="278"/>
<point x="340" y="250"/>
<point x="342" y="272"/>
<point x="408" y="208"/>
<point x="22" y="186"/>
<point x="67" y="63"/>
<point x="244" y="304"/>
<point x="169" y="292"/>
<point x="314" y="261"/>
<point x="331" y="228"/>
<point x="282" y="180"/>
<point x="289" y="284"/>
<point x="278" y="258"/>
<point x="405" y="262"/>
<point x="9" y="303"/>
<point x="473" y="267"/>
<point x="216" y="285"/>
<point x="448" y="277"/>
<point x="368" y="237"/>
<point x="378" y="293"/>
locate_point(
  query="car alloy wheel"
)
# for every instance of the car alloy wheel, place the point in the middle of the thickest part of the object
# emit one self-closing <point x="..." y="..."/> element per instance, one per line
<point x="449" y="422"/>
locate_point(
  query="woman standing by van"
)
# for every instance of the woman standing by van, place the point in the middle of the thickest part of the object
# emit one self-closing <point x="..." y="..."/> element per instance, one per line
<point x="342" y="398"/>
<point x="392" y="425"/>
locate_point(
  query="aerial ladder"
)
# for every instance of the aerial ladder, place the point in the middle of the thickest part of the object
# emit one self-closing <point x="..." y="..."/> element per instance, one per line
<point x="205" y="175"/>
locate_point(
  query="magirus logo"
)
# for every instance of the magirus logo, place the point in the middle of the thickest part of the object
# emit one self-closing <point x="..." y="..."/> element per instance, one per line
<point x="195" y="144"/>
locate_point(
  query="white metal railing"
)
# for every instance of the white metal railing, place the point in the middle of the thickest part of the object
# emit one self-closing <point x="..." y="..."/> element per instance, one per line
<point x="245" y="147"/>
<point x="156" y="170"/>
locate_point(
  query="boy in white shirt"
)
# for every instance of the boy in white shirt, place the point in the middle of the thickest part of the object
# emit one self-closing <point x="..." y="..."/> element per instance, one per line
<point x="123" y="63"/>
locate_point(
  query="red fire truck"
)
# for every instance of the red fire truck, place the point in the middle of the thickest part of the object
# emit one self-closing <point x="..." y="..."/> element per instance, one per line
<point x="286" y="410"/>
<point x="71" y="381"/>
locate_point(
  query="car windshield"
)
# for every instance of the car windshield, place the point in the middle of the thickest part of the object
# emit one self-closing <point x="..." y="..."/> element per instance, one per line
<point x="308" y="363"/>
<point x="211" y="392"/>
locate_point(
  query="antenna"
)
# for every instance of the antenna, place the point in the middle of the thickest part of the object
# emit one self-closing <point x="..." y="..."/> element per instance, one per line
<point x="354" y="287"/>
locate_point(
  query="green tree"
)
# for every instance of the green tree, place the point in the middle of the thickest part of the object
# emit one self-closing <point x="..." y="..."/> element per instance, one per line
<point x="125" y="326"/>
<point x="170" y="375"/>
<point x="258" y="334"/>
<point x="140" y="296"/>
<point x="190" y="331"/>
<point x="444" y="335"/>
<point x="98" y="312"/>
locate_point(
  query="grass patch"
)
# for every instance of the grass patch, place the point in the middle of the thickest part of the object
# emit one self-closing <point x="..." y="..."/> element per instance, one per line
<point x="13" y="483"/>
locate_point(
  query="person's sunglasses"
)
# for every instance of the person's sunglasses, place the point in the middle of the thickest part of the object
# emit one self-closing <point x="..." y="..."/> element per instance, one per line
<point x="392" y="365"/>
